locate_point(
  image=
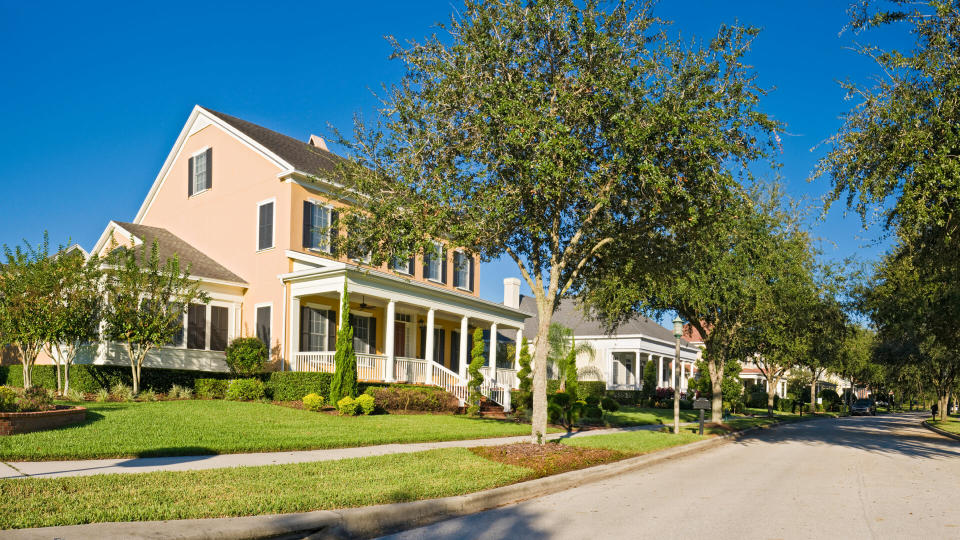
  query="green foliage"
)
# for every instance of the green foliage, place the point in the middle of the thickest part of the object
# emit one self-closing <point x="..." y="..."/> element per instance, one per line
<point x="831" y="399"/>
<point x="563" y="354"/>
<point x="348" y="406"/>
<point x="146" y="299"/>
<point x="34" y="399"/>
<point x="180" y="392"/>
<point x="591" y="388"/>
<point x="8" y="399"/>
<point x="565" y="410"/>
<point x="90" y="378"/>
<point x="476" y="377"/>
<point x="313" y="402"/>
<point x="649" y="387"/>
<point x="523" y="376"/>
<point x="413" y="398"/>
<point x="592" y="412"/>
<point x="344" y="383"/>
<point x="365" y="403"/>
<point x="246" y="356"/>
<point x="75" y="395"/>
<point x="293" y="385"/>
<point x="121" y="392"/>
<point x="102" y="395"/>
<point x="609" y="404"/>
<point x="211" y="388"/>
<point x="245" y="390"/>
<point x="625" y="397"/>
<point x="147" y="395"/>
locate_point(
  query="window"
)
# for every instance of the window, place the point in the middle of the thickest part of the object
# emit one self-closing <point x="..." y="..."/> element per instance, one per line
<point x="462" y="270"/>
<point x="317" y="226"/>
<point x="622" y="372"/>
<point x="364" y="334"/>
<point x="219" y="323"/>
<point x="435" y="264"/>
<point x="316" y="330"/>
<point x="177" y="339"/>
<point x="197" y="326"/>
<point x="265" y="225"/>
<point x="403" y="266"/>
<point x="200" y="172"/>
<point x="263" y="324"/>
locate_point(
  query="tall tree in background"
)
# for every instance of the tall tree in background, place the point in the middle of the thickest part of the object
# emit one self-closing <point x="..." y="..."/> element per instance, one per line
<point x="550" y="132"/>
<point x="344" y="383"/>
<point x="563" y="356"/>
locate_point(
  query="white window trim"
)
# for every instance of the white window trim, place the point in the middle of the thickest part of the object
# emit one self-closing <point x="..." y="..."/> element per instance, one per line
<point x="323" y="204"/>
<point x="193" y="155"/>
<point x="408" y="272"/>
<point x="273" y="226"/>
<point x="256" y="323"/>
<point x="465" y="255"/>
<point x="439" y="251"/>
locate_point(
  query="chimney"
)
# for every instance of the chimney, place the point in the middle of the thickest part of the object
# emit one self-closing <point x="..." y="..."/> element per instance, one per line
<point x="511" y="292"/>
<point x="318" y="142"/>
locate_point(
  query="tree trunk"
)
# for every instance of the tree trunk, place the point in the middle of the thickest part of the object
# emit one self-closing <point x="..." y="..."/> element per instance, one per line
<point x="716" y="401"/>
<point x="27" y="374"/>
<point x="943" y="407"/>
<point x="771" y="397"/>
<point x="813" y="393"/>
<point x="56" y="367"/>
<point x="538" y="420"/>
<point x="66" y="377"/>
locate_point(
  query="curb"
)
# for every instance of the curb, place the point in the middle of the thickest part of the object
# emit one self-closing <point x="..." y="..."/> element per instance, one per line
<point x="369" y="521"/>
<point x="947" y="434"/>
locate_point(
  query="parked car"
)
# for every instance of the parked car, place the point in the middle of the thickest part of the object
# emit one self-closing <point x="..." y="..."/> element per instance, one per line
<point x="865" y="407"/>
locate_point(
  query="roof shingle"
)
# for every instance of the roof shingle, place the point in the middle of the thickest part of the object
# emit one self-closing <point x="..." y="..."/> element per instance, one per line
<point x="169" y="244"/>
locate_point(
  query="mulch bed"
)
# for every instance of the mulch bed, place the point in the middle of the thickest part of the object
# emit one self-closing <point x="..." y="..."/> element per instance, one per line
<point x="550" y="458"/>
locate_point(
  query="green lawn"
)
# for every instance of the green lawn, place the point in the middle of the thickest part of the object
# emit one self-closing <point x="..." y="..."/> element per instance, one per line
<point x="636" y="416"/>
<point x="277" y="489"/>
<point x="952" y="424"/>
<point x="195" y="427"/>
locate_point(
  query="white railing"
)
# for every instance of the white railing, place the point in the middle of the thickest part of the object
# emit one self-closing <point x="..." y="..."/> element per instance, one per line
<point x="371" y="367"/>
<point x="449" y="381"/>
<point x="410" y="370"/>
<point x="314" y="361"/>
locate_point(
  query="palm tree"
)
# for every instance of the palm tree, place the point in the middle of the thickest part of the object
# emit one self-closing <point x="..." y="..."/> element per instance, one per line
<point x="563" y="352"/>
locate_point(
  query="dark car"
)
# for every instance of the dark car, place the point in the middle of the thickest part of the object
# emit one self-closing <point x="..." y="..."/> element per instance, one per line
<point x="865" y="407"/>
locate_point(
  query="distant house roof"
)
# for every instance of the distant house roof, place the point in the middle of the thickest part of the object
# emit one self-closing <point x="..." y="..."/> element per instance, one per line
<point x="169" y="244"/>
<point x="303" y="156"/>
<point x="571" y="316"/>
<point x="691" y="334"/>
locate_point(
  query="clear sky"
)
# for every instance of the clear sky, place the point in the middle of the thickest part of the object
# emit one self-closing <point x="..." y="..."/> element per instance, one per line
<point x="92" y="98"/>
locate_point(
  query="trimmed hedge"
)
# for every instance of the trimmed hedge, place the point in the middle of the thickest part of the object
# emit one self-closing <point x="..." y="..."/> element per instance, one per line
<point x="624" y="397"/>
<point x="91" y="378"/>
<point x="293" y="385"/>
<point x="211" y="388"/>
<point x="412" y="398"/>
<point x="591" y="388"/>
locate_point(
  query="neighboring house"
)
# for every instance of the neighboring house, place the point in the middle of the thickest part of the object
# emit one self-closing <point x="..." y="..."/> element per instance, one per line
<point x="619" y="358"/>
<point x="249" y="210"/>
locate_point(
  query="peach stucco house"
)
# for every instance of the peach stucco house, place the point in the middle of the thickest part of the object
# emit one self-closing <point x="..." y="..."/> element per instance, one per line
<point x="248" y="209"/>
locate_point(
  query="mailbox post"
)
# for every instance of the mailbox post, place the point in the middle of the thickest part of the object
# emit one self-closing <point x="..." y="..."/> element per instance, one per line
<point x="701" y="405"/>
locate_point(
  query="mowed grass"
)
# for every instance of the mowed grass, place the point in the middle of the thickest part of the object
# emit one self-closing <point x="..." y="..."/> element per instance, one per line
<point x="198" y="427"/>
<point x="280" y="489"/>
<point x="952" y="424"/>
<point x="248" y="491"/>
<point x="637" y="416"/>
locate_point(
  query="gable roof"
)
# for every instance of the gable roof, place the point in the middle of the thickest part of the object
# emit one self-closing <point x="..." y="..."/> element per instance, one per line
<point x="301" y="155"/>
<point x="570" y="315"/>
<point x="169" y="244"/>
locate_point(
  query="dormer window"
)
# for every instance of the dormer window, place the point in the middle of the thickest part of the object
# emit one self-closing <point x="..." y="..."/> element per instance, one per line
<point x="200" y="172"/>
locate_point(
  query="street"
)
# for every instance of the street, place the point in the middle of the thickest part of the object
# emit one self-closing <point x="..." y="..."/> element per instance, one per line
<point x="863" y="477"/>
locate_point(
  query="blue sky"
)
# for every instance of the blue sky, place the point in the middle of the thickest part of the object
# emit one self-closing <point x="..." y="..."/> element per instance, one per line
<point x="91" y="99"/>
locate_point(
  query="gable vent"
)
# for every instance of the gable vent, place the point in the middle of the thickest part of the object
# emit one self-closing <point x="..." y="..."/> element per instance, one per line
<point x="318" y="142"/>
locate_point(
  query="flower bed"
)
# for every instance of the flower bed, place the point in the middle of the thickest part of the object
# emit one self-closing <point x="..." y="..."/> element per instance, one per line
<point x="12" y="423"/>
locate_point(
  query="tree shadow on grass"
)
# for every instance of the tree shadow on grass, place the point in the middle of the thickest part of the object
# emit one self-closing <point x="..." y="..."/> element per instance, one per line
<point x="178" y="454"/>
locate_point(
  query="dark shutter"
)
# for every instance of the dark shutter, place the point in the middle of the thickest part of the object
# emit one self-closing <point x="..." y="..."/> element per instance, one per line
<point x="373" y="335"/>
<point x="426" y="264"/>
<point x="439" y="346"/>
<point x="455" y="351"/>
<point x="471" y="285"/>
<point x="305" y="344"/>
<point x="219" y="317"/>
<point x="443" y="265"/>
<point x="334" y="231"/>
<point x="263" y="324"/>
<point x="331" y="330"/>
<point x="423" y="341"/>
<point x="209" y="178"/>
<point x="190" y="177"/>
<point x="308" y="225"/>
<point x="197" y="326"/>
<point x="265" y="239"/>
<point x="411" y="265"/>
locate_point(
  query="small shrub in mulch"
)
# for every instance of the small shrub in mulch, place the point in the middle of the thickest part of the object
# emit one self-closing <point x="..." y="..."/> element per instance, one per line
<point x="550" y="458"/>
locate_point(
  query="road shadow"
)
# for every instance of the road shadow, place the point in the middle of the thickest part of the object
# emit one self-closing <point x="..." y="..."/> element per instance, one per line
<point x="508" y="522"/>
<point x="895" y="434"/>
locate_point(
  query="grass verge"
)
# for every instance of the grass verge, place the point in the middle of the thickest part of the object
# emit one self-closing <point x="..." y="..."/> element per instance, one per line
<point x="951" y="425"/>
<point x="637" y="416"/>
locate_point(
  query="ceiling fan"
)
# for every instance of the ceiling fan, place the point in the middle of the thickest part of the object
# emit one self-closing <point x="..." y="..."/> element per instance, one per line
<point x="363" y="303"/>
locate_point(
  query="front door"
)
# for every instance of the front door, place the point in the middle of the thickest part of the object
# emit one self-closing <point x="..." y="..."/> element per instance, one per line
<point x="399" y="338"/>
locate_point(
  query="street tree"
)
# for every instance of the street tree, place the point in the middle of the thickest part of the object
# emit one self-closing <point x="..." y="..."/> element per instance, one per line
<point x="546" y="132"/>
<point x="146" y="299"/>
<point x="563" y="354"/>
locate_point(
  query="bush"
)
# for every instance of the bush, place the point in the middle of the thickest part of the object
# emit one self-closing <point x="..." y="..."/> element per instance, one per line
<point x="366" y="403"/>
<point x="757" y="399"/>
<point x="245" y="390"/>
<point x="347" y="406"/>
<point x="211" y="388"/>
<point x="609" y="404"/>
<point x="246" y="356"/>
<point x="102" y="396"/>
<point x="89" y="378"/>
<point x="831" y="399"/>
<point x="785" y="405"/>
<point x="586" y="389"/>
<point x="75" y="395"/>
<point x="293" y="385"/>
<point x="413" y="398"/>
<point x="686" y="404"/>
<point x="593" y="412"/>
<point x="147" y="395"/>
<point x="592" y="400"/>
<point x="180" y="392"/>
<point x="8" y="399"/>
<point x="35" y="398"/>
<point x="313" y="402"/>
<point x="625" y="397"/>
<point x="121" y="392"/>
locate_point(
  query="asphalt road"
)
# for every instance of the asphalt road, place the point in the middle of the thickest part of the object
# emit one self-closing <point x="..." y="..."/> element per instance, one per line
<point x="865" y="477"/>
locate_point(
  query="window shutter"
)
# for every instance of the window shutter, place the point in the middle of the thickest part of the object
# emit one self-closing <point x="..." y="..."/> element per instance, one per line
<point x="197" y="326"/>
<point x="440" y="346"/>
<point x="190" y="177"/>
<point x="373" y="335"/>
<point x="307" y="224"/>
<point x="455" y="351"/>
<point x="331" y="330"/>
<point x="471" y="284"/>
<point x="426" y="264"/>
<point x="423" y="341"/>
<point x="209" y="168"/>
<point x="305" y="329"/>
<point x="334" y="231"/>
<point x="218" y="328"/>
<point x="265" y="239"/>
<point x="411" y="265"/>
<point x="443" y="265"/>
<point x="263" y="324"/>
<point x="457" y="258"/>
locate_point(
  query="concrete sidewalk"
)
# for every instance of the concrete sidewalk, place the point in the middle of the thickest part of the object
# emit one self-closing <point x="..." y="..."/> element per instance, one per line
<point x="87" y="467"/>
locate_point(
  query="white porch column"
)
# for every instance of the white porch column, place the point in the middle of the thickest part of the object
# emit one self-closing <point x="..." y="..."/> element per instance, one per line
<point x="391" y="354"/>
<point x="659" y="371"/>
<point x="464" y="339"/>
<point x="514" y="382"/>
<point x="428" y="353"/>
<point x="493" y="352"/>
<point x="294" y="332"/>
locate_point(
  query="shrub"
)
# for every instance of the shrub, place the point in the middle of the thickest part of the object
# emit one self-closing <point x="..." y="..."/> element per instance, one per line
<point x="609" y="404"/>
<point x="785" y="404"/>
<point x="592" y="400"/>
<point x="365" y="403"/>
<point x="757" y="399"/>
<point x="625" y="397"/>
<point x="293" y="385"/>
<point x="344" y="382"/>
<point x="90" y="378"/>
<point x="8" y="399"/>
<point x="831" y="399"/>
<point x="211" y="388"/>
<point x="246" y="356"/>
<point x="347" y="406"/>
<point x="593" y="412"/>
<point x="313" y="402"/>
<point x="147" y="395"/>
<point x="121" y="392"/>
<point x="245" y="390"/>
<point x="75" y="395"/>
<point x="413" y="398"/>
<point x="102" y="396"/>
<point x="476" y="377"/>
<point x="563" y="410"/>
<point x="686" y="404"/>
<point x="180" y="392"/>
<point x="35" y="398"/>
<point x="591" y="388"/>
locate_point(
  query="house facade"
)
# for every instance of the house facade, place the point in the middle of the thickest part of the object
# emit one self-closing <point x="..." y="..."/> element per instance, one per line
<point x="251" y="211"/>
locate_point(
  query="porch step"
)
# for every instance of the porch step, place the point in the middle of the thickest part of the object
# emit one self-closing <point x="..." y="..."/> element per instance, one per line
<point x="489" y="409"/>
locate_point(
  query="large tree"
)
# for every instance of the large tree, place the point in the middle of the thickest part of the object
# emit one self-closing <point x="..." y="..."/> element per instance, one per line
<point x="547" y="132"/>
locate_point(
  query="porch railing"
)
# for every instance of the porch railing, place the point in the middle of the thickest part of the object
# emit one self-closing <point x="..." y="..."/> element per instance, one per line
<point x="410" y="370"/>
<point x="314" y="361"/>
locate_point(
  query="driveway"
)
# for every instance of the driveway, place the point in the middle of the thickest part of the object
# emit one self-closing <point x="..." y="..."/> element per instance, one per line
<point x="865" y="477"/>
